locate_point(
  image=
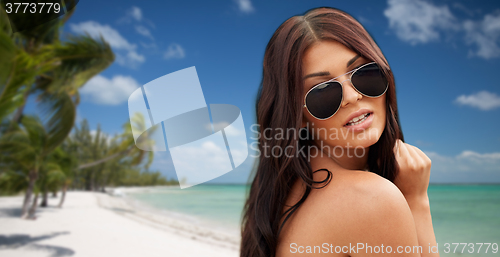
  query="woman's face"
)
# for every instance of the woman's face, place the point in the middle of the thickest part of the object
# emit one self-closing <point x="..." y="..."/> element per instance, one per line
<point x="327" y="60"/>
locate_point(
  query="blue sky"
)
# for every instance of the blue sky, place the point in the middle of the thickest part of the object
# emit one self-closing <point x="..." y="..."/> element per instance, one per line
<point x="445" y="56"/>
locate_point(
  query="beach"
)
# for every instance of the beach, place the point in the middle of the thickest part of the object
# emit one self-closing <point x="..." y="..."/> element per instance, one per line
<point x="99" y="224"/>
<point x="201" y="221"/>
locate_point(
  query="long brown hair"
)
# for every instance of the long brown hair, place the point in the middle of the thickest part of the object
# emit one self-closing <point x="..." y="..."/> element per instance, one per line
<point x="279" y="106"/>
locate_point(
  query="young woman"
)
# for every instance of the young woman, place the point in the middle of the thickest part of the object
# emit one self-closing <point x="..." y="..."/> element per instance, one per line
<point x="345" y="184"/>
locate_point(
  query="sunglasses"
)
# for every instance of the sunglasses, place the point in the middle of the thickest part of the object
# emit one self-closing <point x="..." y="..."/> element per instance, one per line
<point x="324" y="99"/>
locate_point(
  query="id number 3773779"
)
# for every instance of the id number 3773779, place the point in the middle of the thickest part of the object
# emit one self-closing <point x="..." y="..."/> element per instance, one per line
<point x="32" y="7"/>
<point x="470" y="247"/>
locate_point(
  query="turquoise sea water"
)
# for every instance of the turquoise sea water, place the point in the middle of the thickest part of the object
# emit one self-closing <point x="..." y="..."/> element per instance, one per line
<point x="460" y="213"/>
<point x="466" y="214"/>
<point x="220" y="204"/>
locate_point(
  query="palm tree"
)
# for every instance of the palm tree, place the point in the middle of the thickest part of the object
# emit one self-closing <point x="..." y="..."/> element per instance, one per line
<point x="55" y="174"/>
<point x="36" y="62"/>
<point x="125" y="144"/>
<point x="26" y="149"/>
<point x="101" y="157"/>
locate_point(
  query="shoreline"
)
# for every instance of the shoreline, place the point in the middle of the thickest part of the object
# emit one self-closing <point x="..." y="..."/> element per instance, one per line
<point x="127" y="194"/>
<point x="99" y="224"/>
<point x="180" y="223"/>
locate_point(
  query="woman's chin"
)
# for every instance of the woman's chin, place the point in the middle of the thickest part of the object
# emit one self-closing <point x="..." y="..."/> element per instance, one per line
<point x="363" y="140"/>
<point x="363" y="143"/>
<point x="353" y="144"/>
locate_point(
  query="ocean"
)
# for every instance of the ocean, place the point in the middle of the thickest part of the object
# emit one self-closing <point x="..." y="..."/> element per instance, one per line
<point x="466" y="214"/>
<point x="460" y="213"/>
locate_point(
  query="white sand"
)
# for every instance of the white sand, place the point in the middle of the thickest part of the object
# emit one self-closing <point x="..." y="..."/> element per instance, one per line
<point x="96" y="224"/>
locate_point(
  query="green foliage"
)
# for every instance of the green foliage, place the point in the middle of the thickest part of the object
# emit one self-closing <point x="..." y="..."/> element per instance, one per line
<point x="36" y="62"/>
<point x="12" y="182"/>
<point x="129" y="167"/>
<point x="26" y="147"/>
<point x="36" y="152"/>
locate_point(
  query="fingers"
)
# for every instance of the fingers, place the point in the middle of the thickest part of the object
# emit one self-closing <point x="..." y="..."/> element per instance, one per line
<point x="411" y="155"/>
<point x="414" y="167"/>
<point x="423" y="155"/>
<point x="397" y="145"/>
<point x="414" y="158"/>
<point x="426" y="161"/>
<point x="404" y="153"/>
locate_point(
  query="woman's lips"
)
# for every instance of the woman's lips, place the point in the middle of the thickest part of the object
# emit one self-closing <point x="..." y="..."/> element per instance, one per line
<point x="364" y="124"/>
<point x="357" y="114"/>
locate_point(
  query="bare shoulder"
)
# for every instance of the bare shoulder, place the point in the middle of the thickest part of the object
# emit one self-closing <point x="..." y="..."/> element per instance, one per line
<point x="368" y="187"/>
<point x="363" y="207"/>
<point x="358" y="188"/>
<point x="355" y="207"/>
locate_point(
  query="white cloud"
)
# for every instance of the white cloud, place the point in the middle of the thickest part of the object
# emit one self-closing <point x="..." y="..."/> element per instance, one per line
<point x="483" y="100"/>
<point x="229" y="129"/>
<point x="144" y="31"/>
<point x="465" y="9"/>
<point x="467" y="161"/>
<point x="102" y="90"/>
<point x="95" y="29"/>
<point x="467" y="166"/>
<point x="245" y="6"/>
<point x="233" y="131"/>
<point x="174" y="51"/>
<point x="211" y="160"/>
<point x="93" y="134"/>
<point x="485" y="35"/>
<point x="136" y="13"/>
<point x="131" y="58"/>
<point x="135" y="16"/>
<point x="488" y="157"/>
<point x="417" y="21"/>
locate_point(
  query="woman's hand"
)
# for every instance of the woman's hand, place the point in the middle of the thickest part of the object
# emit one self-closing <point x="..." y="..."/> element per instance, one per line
<point x="414" y="172"/>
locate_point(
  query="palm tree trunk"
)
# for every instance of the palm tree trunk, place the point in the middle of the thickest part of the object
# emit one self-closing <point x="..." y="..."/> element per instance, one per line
<point x="88" y="180"/>
<point x="65" y="187"/>
<point x="29" y="192"/>
<point x="44" y="198"/>
<point x="92" y="183"/>
<point x="31" y="214"/>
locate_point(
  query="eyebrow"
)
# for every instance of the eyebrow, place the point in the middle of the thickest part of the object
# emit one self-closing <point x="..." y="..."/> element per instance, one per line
<point x="350" y="62"/>
<point x="326" y="73"/>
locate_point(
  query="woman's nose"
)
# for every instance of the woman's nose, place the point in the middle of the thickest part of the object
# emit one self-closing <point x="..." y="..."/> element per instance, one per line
<point x="350" y="95"/>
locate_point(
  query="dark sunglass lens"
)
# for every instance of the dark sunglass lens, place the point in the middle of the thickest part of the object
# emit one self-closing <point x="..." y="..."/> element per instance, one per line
<point x="370" y="80"/>
<point x="324" y="100"/>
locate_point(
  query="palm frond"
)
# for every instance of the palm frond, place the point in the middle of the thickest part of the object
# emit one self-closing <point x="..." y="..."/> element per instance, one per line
<point x="35" y="131"/>
<point x="22" y="74"/>
<point x="12" y="182"/>
<point x="80" y="59"/>
<point x="8" y="51"/>
<point x="36" y="28"/>
<point x="4" y="22"/>
<point x="59" y="113"/>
